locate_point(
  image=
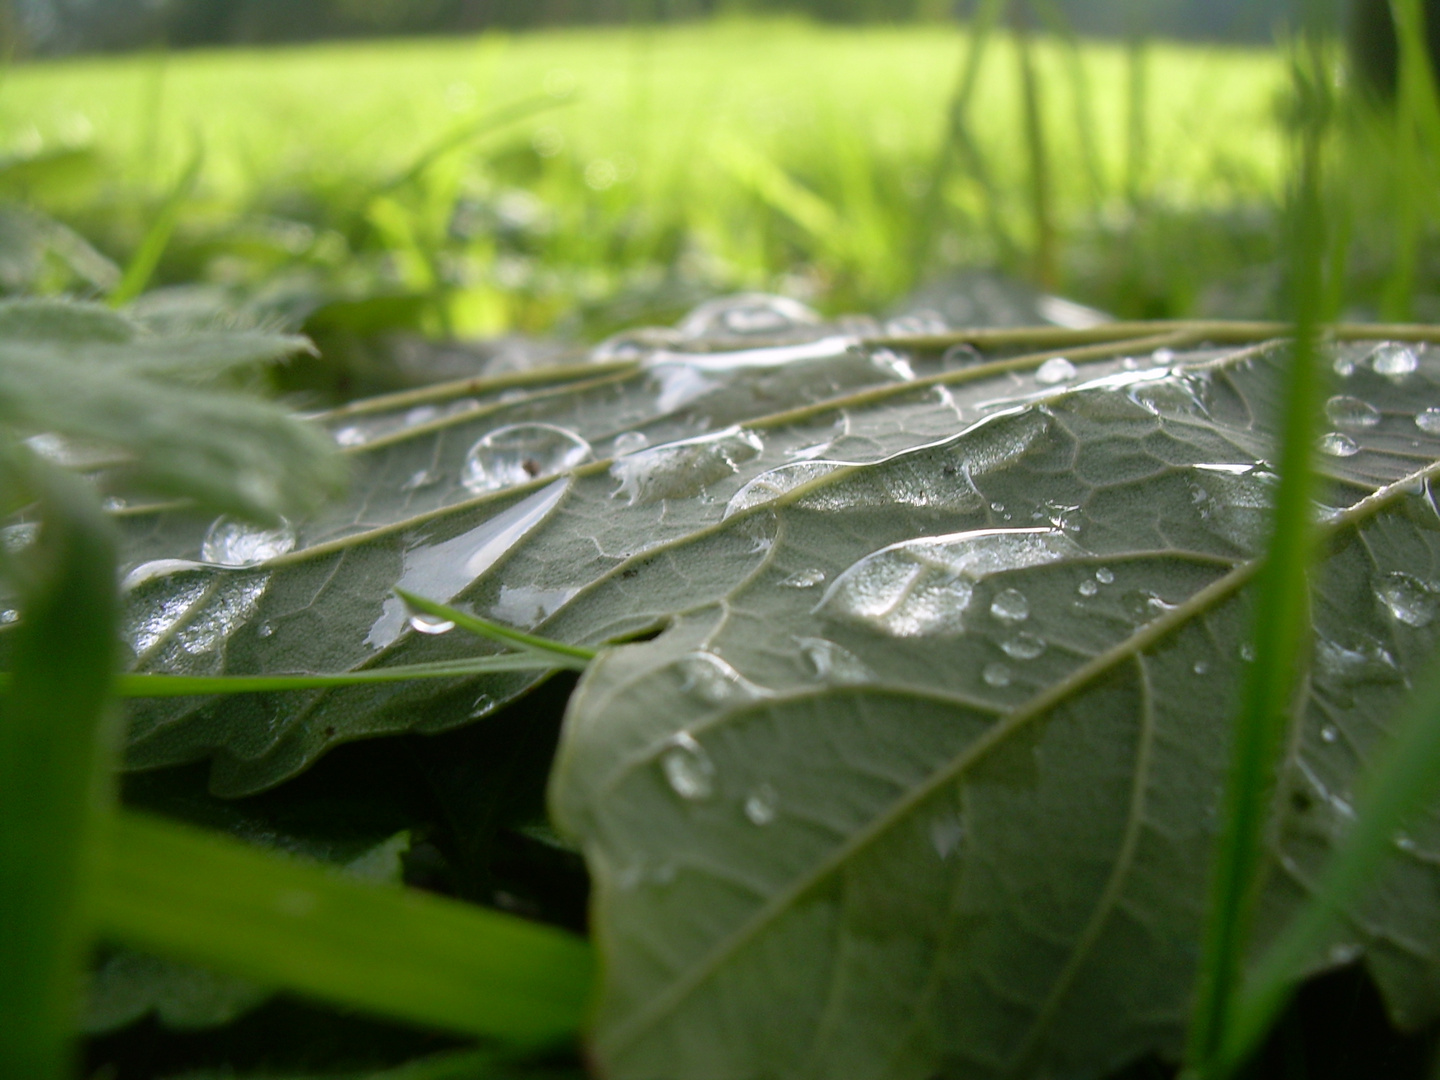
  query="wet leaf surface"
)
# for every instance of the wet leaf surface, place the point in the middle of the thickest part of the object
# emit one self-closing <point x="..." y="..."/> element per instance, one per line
<point x="919" y="774"/>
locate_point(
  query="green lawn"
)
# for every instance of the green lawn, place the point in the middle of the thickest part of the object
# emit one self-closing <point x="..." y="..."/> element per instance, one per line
<point x="771" y="154"/>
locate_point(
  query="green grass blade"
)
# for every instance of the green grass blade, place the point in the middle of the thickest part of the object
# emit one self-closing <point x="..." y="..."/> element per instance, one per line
<point x="200" y="897"/>
<point x="53" y="739"/>
<point x="1281" y="631"/>
<point x="141" y="267"/>
<point x="1402" y="781"/>
<point x="146" y="685"/>
<point x="570" y="656"/>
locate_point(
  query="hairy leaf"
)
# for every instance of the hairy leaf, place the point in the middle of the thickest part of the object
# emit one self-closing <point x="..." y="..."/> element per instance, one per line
<point x="920" y="773"/>
<point x="82" y="372"/>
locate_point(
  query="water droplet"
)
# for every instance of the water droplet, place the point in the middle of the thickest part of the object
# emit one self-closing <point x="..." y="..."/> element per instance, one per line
<point x="683" y="469"/>
<point x="421" y="414"/>
<point x="1200" y="667"/>
<point x="113" y="504"/>
<point x="482" y="706"/>
<point x="1054" y="371"/>
<point x="635" y="344"/>
<point x="747" y="315"/>
<point x="1429" y="421"/>
<point x="1247" y="653"/>
<point x="442" y="569"/>
<point x="834" y="663"/>
<point x="1329" y="733"/>
<point x="424" y="623"/>
<point x="1105" y="576"/>
<point x="1010" y="606"/>
<point x="628" y="442"/>
<point x="1337" y="444"/>
<point x="688" y="768"/>
<point x="238" y="543"/>
<point x="1234" y="501"/>
<point x="804" y="579"/>
<point x="1405" y="842"/>
<point x="518" y="453"/>
<point x="1143" y="605"/>
<point x="350" y="436"/>
<point x="761" y="804"/>
<point x="1351" y="414"/>
<point x="15" y="538"/>
<point x="1023" y="646"/>
<point x="1087" y="588"/>
<point x="265" y="630"/>
<point x="923" y="322"/>
<point x="421" y="478"/>
<point x="1163" y="357"/>
<point x="713" y="680"/>
<point x="1394" y="360"/>
<point x="769" y="486"/>
<point x="1343" y="954"/>
<point x="947" y="831"/>
<point x="1344" y="366"/>
<point x="1408" y="599"/>
<point x="9" y="615"/>
<point x="997" y="507"/>
<point x="996" y="675"/>
<point x="1369" y="662"/>
<point x="922" y="587"/>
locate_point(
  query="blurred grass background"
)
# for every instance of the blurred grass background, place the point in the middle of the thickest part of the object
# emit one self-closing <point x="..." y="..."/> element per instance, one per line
<point x="645" y="168"/>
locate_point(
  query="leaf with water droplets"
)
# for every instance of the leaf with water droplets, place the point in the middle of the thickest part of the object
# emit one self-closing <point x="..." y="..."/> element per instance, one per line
<point x="910" y="768"/>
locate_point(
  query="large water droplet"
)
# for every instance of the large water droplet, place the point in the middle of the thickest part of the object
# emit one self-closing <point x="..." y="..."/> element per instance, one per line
<point x="683" y="469"/>
<point x="1338" y="444"/>
<point x="688" y="768"/>
<point x="922" y="587"/>
<point x="239" y="543"/>
<point x="441" y="570"/>
<point x="1010" y="606"/>
<point x="1429" y="421"/>
<point x="748" y="315"/>
<point x="518" y="453"/>
<point x="1023" y="646"/>
<point x="1351" y="414"/>
<point x="1087" y="588"/>
<point x="1394" y="360"/>
<point x="1410" y="600"/>
<point x="1105" y="576"/>
<point x="761" y="804"/>
<point x="996" y="675"/>
<point x="1054" y="371"/>
<point x="1330" y="734"/>
<point x="771" y="485"/>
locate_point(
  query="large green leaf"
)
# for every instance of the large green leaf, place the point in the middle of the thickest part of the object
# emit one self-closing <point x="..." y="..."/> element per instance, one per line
<point x="920" y="773"/>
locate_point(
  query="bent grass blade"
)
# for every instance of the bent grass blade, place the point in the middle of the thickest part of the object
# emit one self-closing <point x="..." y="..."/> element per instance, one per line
<point x="207" y="899"/>
<point x="562" y="655"/>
